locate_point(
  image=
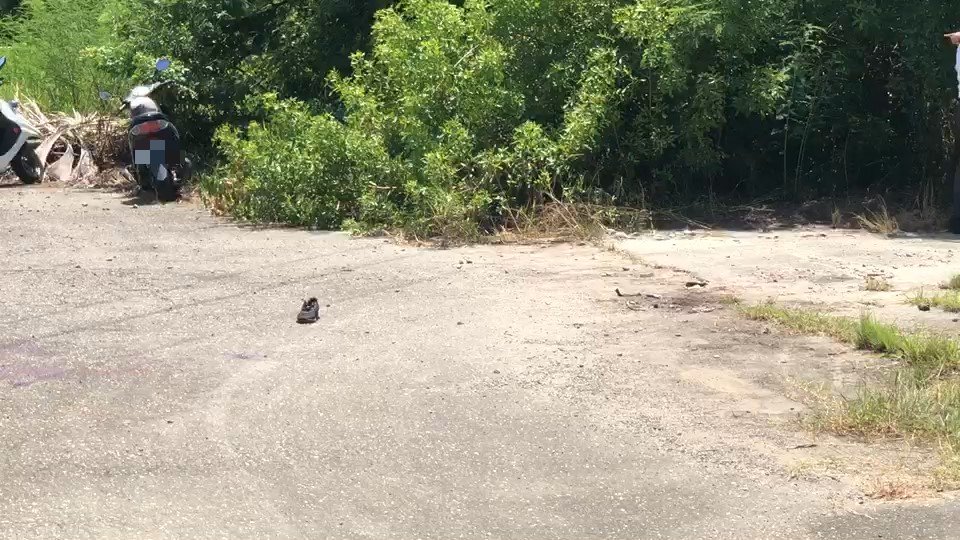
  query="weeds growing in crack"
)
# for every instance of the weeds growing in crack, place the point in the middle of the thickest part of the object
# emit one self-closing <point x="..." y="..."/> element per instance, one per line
<point x="952" y="284"/>
<point x="948" y="300"/>
<point x="917" y="400"/>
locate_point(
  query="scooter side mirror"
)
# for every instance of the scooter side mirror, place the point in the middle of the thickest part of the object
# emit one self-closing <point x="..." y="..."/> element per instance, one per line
<point x="163" y="64"/>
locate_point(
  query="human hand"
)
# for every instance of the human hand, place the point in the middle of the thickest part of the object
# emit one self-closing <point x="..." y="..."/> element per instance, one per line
<point x="953" y="38"/>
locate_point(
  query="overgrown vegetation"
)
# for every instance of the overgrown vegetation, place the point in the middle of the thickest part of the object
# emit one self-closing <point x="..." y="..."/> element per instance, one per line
<point x="449" y="117"/>
<point x="920" y="401"/>
<point x="935" y="351"/>
<point x="952" y="284"/>
<point x="878" y="221"/>
<point x="803" y="321"/>
<point x="948" y="300"/>
<point x="450" y="145"/>
<point x="52" y="46"/>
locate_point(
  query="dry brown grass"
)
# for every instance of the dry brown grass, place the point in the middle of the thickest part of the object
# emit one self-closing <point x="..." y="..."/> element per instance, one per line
<point x="897" y="489"/>
<point x="836" y="218"/>
<point x="809" y="469"/>
<point x="80" y="149"/>
<point x="952" y="284"/>
<point x="877" y="284"/>
<point x="926" y="215"/>
<point x="563" y="221"/>
<point x="878" y="221"/>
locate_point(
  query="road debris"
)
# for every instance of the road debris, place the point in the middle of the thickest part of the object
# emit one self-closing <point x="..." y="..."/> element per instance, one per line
<point x="652" y="296"/>
<point x="310" y="312"/>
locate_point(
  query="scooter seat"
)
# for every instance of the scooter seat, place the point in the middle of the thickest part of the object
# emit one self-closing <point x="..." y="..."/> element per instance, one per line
<point x="148" y="117"/>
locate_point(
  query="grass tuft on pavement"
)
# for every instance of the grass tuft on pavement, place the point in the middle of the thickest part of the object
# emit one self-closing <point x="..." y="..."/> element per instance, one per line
<point x="919" y="400"/>
<point x="949" y="300"/>
<point x="801" y="320"/>
<point x="952" y="284"/>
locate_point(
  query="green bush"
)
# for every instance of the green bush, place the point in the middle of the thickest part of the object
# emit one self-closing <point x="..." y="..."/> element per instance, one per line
<point x="483" y="106"/>
<point x="296" y="168"/>
<point x="434" y="96"/>
<point x="470" y="108"/>
<point x="230" y="50"/>
<point x="52" y="50"/>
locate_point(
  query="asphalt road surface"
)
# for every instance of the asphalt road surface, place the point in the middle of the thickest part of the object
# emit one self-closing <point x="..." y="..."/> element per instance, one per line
<point x="154" y="384"/>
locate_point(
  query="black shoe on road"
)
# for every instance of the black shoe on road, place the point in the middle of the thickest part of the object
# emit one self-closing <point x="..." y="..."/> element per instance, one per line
<point x="310" y="312"/>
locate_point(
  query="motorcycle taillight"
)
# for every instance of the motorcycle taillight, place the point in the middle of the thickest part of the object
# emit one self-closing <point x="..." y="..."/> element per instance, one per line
<point x="147" y="128"/>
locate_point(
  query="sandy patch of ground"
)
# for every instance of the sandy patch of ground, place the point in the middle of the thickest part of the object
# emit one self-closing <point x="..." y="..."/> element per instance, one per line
<point x="817" y="267"/>
<point x="826" y="270"/>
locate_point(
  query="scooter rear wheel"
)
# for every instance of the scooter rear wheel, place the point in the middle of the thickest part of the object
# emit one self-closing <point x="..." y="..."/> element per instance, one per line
<point x="144" y="178"/>
<point x="167" y="191"/>
<point x="27" y="166"/>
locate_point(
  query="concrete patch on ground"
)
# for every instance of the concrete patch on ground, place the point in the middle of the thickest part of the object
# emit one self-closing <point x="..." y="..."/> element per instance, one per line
<point x="814" y="267"/>
<point x="825" y="270"/>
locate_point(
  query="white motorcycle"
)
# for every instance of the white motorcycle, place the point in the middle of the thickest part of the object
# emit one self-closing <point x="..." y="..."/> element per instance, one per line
<point x="18" y="141"/>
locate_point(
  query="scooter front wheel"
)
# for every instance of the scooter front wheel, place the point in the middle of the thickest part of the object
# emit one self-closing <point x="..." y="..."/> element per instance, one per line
<point x="27" y="165"/>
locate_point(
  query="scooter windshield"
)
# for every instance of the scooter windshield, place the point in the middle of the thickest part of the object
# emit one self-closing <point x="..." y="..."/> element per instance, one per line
<point x="142" y="91"/>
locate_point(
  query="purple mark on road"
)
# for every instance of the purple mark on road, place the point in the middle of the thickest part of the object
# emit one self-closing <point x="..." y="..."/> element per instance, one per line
<point x="23" y="347"/>
<point x="21" y="376"/>
<point x="25" y="367"/>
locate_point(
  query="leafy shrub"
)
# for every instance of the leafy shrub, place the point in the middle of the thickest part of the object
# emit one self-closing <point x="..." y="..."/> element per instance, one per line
<point x="230" y="50"/>
<point x="296" y="168"/>
<point x="471" y="108"/>
<point x="435" y="99"/>
<point x="52" y="50"/>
